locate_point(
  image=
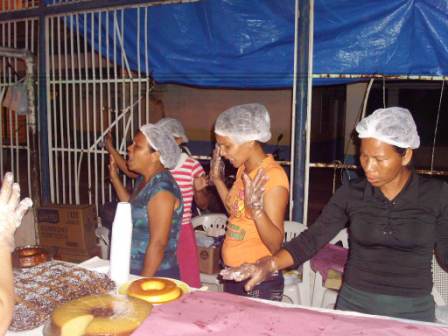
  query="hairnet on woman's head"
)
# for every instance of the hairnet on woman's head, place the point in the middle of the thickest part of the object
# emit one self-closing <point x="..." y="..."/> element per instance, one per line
<point x="242" y="123"/>
<point x="173" y="127"/>
<point x="162" y="142"/>
<point x="393" y="125"/>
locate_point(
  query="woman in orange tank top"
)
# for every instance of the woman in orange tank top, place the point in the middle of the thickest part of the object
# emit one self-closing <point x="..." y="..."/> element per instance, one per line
<point x="257" y="201"/>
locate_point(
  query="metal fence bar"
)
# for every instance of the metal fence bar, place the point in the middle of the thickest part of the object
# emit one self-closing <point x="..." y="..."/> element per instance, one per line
<point x="65" y="116"/>
<point x="81" y="110"/>
<point x="28" y="46"/>
<point x="15" y="78"/>
<point x="101" y="107"/>
<point x="59" y="112"/>
<point x="94" y="124"/>
<point x="108" y="87"/>
<point x="74" y="92"/>
<point x="86" y="73"/>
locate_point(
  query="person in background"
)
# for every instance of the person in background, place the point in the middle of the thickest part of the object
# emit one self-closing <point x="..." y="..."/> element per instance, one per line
<point x="175" y="128"/>
<point x="190" y="177"/>
<point x="11" y="214"/>
<point x="156" y="202"/>
<point x="257" y="201"/>
<point x="396" y="220"/>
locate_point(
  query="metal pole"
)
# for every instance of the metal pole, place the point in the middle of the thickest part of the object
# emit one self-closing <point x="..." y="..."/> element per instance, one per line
<point x="302" y="110"/>
<point x="43" y="114"/>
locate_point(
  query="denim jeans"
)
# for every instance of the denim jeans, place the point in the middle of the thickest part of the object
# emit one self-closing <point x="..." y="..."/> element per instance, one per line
<point x="420" y="308"/>
<point x="271" y="289"/>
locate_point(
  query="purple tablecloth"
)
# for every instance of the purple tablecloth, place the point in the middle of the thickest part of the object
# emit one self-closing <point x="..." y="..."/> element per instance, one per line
<point x="329" y="257"/>
<point x="222" y="314"/>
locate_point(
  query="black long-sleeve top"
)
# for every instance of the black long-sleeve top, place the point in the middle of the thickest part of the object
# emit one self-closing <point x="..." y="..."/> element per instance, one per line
<point x="391" y="242"/>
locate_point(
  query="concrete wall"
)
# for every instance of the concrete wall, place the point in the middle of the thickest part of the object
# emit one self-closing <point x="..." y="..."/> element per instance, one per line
<point x="197" y="109"/>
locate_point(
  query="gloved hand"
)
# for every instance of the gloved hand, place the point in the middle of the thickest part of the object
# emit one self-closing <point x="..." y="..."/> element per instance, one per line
<point x="261" y="271"/>
<point x="254" y="191"/>
<point x="11" y="211"/>
<point x="216" y="166"/>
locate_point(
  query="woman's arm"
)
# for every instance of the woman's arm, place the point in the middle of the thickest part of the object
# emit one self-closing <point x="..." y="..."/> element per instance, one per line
<point x="120" y="162"/>
<point x="267" y="209"/>
<point x="270" y="221"/>
<point x="6" y="290"/>
<point x="160" y="215"/>
<point x="260" y="271"/>
<point x="121" y="191"/>
<point x="300" y="248"/>
<point x="11" y="214"/>
<point x="201" y="195"/>
<point x="216" y="168"/>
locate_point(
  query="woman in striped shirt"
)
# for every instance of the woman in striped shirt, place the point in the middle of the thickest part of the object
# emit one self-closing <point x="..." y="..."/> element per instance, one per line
<point x="190" y="177"/>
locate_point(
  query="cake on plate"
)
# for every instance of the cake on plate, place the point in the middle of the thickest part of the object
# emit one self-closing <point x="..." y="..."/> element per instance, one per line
<point x="41" y="288"/>
<point x="98" y="315"/>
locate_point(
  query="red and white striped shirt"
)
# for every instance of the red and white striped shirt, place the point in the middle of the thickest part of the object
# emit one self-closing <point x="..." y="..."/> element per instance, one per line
<point x="186" y="170"/>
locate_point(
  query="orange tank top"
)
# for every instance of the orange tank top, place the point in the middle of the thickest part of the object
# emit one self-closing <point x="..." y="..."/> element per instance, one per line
<point x="242" y="243"/>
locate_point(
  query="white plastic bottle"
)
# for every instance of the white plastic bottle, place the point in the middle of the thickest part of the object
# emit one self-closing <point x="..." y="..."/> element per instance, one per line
<point x="120" y="251"/>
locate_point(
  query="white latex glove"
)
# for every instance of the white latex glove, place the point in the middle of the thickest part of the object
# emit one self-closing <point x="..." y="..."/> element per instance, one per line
<point x="216" y="166"/>
<point x="261" y="271"/>
<point x="254" y="192"/>
<point x="11" y="211"/>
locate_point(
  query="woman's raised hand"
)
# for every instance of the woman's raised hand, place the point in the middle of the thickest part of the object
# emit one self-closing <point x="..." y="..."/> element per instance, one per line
<point x="108" y="141"/>
<point x="254" y="191"/>
<point x="11" y="210"/>
<point x="216" y="166"/>
<point x="113" y="169"/>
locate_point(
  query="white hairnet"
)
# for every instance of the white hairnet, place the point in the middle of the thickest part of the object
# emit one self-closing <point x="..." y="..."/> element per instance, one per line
<point x="244" y="123"/>
<point x="162" y="142"/>
<point x="173" y="127"/>
<point x="393" y="125"/>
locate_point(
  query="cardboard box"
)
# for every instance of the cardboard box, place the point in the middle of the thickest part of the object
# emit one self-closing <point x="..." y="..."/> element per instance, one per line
<point x="77" y="255"/>
<point x="334" y="280"/>
<point x="68" y="226"/>
<point x="209" y="259"/>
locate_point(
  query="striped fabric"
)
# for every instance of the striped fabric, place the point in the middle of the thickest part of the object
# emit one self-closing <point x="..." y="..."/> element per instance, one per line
<point x="184" y="173"/>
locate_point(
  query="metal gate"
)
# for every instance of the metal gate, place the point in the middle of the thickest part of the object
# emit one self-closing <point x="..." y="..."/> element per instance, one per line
<point x="89" y="94"/>
<point x="15" y="137"/>
<point x="89" y="91"/>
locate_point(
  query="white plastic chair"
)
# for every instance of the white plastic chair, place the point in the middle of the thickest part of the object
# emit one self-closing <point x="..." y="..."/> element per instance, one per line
<point x="296" y="291"/>
<point x="440" y="283"/>
<point x="324" y="297"/>
<point x="214" y="225"/>
<point x="440" y="291"/>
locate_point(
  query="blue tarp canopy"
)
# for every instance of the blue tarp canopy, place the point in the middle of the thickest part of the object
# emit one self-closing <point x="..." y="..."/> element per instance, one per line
<point x="250" y="44"/>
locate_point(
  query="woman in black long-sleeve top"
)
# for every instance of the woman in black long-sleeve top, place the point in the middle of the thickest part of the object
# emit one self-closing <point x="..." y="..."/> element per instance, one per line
<point x="396" y="220"/>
